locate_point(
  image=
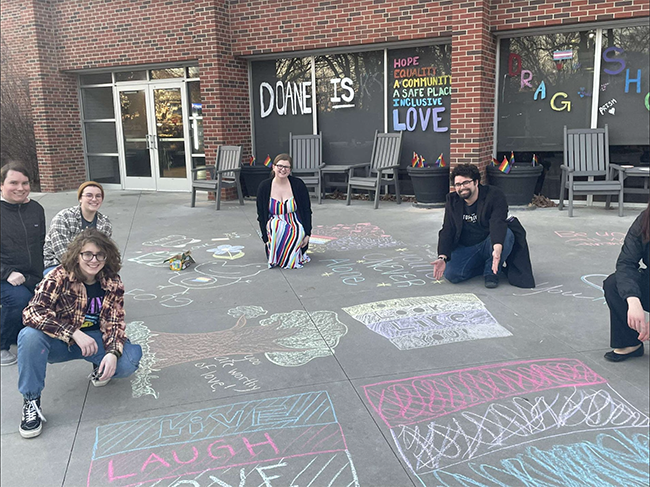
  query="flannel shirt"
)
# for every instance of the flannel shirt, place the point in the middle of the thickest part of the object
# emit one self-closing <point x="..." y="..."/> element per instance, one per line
<point x="58" y="309"/>
<point x="65" y="226"/>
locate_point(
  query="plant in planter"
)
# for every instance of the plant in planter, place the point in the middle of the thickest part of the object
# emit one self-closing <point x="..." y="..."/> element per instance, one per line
<point x="430" y="182"/>
<point x="517" y="181"/>
<point x="252" y="175"/>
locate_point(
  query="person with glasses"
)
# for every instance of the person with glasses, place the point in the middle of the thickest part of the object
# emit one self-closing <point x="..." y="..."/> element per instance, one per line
<point x="22" y="233"/>
<point x="284" y="215"/>
<point x="475" y="238"/>
<point x="68" y="223"/>
<point x="77" y="312"/>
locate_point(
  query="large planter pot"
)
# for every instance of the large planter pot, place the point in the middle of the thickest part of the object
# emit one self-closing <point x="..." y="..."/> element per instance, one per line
<point x="251" y="177"/>
<point x="430" y="184"/>
<point x="518" y="185"/>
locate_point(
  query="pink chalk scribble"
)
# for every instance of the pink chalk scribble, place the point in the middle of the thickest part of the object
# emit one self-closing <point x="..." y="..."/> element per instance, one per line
<point x="423" y="398"/>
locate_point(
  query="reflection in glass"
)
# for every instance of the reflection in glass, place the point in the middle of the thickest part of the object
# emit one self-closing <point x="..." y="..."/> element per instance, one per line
<point x="544" y="81"/>
<point x="100" y="137"/>
<point x="196" y="135"/>
<point x="350" y="101"/>
<point x="167" y="73"/>
<point x="134" y="125"/>
<point x="169" y="133"/>
<point x="193" y="72"/>
<point x="131" y="76"/>
<point x="623" y="103"/>
<point x="194" y="90"/>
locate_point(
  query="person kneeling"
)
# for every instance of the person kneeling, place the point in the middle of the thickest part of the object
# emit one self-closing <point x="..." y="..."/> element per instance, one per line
<point x="77" y="312"/>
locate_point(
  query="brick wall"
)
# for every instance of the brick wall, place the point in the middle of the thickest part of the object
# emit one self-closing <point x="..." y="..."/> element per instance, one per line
<point x="75" y="34"/>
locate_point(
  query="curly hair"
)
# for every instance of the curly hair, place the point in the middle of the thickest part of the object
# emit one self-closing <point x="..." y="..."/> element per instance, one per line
<point x="467" y="171"/>
<point x="112" y="264"/>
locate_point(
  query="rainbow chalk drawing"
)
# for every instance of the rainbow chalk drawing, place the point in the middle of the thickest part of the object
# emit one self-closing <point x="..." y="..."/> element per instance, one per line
<point x="426" y="321"/>
<point x="286" y="339"/>
<point x="551" y="422"/>
<point x="292" y="440"/>
<point x="357" y="236"/>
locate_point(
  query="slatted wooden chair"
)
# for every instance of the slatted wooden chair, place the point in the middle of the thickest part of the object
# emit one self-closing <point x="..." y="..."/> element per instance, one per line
<point x="224" y="174"/>
<point x="586" y="155"/>
<point x="307" y="154"/>
<point x="384" y="162"/>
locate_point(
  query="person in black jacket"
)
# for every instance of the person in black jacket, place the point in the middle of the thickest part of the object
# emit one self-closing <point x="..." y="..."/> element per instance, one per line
<point x="475" y="238"/>
<point x="284" y="215"/>
<point x="627" y="293"/>
<point x="22" y="234"/>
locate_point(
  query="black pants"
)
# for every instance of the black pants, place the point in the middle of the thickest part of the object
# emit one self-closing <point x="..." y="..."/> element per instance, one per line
<point x="621" y="335"/>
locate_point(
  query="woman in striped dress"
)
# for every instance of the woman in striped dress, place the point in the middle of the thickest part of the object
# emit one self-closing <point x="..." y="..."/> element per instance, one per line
<point x="284" y="215"/>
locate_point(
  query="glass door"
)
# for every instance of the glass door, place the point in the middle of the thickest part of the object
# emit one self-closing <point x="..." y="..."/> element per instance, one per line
<point x="136" y="154"/>
<point x="154" y="136"/>
<point x="169" y="137"/>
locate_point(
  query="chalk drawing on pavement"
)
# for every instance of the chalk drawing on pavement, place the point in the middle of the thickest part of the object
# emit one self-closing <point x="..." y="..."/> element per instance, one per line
<point x="286" y="339"/>
<point x="356" y="236"/>
<point x="559" y="289"/>
<point x="426" y="321"/>
<point x="470" y="426"/>
<point x="291" y="440"/>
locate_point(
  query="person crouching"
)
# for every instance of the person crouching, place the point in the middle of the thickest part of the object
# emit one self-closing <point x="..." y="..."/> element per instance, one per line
<point x="77" y="312"/>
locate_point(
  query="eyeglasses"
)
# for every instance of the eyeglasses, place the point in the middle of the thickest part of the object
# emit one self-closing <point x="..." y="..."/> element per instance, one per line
<point x="464" y="184"/>
<point x="88" y="256"/>
<point x="283" y="168"/>
<point x="91" y="196"/>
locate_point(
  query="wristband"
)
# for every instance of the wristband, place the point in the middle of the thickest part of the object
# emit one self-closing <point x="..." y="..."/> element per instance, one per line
<point x="116" y="353"/>
<point x="443" y="258"/>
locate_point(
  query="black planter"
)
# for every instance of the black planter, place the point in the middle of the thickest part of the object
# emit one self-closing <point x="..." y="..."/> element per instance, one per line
<point x="430" y="184"/>
<point x="518" y="185"/>
<point x="251" y="177"/>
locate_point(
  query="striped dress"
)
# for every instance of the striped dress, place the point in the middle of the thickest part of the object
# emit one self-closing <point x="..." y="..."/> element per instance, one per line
<point x="285" y="235"/>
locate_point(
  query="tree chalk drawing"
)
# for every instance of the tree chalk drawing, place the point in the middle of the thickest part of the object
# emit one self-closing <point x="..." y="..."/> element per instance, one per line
<point x="469" y="426"/>
<point x="291" y="440"/>
<point x="286" y="339"/>
<point x="426" y="321"/>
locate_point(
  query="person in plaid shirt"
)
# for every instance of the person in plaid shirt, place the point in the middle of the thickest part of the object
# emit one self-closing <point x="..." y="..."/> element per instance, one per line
<point x="77" y="312"/>
<point x="68" y="223"/>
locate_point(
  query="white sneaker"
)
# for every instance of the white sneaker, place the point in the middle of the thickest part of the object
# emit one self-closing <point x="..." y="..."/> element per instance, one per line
<point x="7" y="358"/>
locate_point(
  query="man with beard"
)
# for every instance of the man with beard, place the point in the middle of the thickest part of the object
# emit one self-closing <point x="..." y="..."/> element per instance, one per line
<point x="475" y="238"/>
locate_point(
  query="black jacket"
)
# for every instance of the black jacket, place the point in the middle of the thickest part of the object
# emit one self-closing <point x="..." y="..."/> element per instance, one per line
<point x="303" y="204"/>
<point x="492" y="212"/>
<point x="628" y="273"/>
<point x="22" y="234"/>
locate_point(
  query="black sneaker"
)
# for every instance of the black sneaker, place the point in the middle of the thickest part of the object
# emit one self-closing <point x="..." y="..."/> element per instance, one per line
<point x="33" y="418"/>
<point x="95" y="375"/>
<point x="491" y="281"/>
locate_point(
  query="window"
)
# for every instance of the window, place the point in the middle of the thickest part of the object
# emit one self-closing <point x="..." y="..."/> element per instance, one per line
<point x="544" y="82"/>
<point x="98" y="118"/>
<point x="419" y="100"/>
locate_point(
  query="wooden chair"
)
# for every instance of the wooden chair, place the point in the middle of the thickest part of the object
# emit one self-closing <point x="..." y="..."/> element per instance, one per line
<point x="384" y="162"/>
<point x="307" y="154"/>
<point x="224" y="174"/>
<point x="586" y="155"/>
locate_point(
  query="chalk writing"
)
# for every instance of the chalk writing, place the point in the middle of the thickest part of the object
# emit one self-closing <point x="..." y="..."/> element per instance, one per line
<point x="287" y="339"/>
<point x="442" y="423"/>
<point x="426" y="321"/>
<point x="233" y="377"/>
<point x="558" y="289"/>
<point x="404" y="269"/>
<point x="597" y="239"/>
<point x="291" y="440"/>
<point x="341" y="238"/>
